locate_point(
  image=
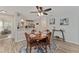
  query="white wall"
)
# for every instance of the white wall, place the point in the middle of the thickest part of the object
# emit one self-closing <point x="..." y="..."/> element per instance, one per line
<point x="71" y="30"/>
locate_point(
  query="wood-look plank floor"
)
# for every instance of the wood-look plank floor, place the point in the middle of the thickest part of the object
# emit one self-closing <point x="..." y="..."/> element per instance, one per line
<point x="9" y="46"/>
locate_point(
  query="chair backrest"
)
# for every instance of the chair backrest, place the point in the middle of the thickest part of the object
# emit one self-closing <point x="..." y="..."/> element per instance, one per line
<point x="49" y="35"/>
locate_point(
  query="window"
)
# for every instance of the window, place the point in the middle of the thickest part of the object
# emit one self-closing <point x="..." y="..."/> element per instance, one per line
<point x="5" y="25"/>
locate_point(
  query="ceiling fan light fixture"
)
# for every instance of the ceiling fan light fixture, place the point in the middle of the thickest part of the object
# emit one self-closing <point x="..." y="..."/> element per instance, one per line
<point x="39" y="14"/>
<point x="42" y="14"/>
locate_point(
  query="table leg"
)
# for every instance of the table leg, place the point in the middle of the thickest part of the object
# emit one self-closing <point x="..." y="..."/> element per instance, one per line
<point x="63" y="36"/>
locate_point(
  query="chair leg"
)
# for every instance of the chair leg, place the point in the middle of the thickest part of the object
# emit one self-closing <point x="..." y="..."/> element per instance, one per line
<point x="46" y="49"/>
<point x="30" y="49"/>
<point x="27" y="47"/>
<point x="49" y="47"/>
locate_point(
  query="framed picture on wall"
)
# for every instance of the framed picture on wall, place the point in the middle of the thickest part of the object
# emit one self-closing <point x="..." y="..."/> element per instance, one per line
<point x="64" y="21"/>
<point x="52" y="21"/>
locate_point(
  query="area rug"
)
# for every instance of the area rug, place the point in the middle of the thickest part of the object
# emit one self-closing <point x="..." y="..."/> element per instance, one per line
<point x="23" y="49"/>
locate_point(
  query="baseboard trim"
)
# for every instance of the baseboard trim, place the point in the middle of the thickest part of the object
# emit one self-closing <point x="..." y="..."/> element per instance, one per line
<point x="73" y="42"/>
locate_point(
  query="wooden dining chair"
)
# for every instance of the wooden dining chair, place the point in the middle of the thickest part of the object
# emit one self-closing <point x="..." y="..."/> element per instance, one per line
<point x="31" y="43"/>
<point x="43" y="43"/>
<point x="49" y="39"/>
<point x="46" y="41"/>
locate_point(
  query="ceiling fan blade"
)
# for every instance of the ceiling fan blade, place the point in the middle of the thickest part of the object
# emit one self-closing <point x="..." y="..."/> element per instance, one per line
<point x="37" y="7"/>
<point x="47" y="9"/>
<point x="33" y="12"/>
<point x="41" y="8"/>
<point x="45" y="13"/>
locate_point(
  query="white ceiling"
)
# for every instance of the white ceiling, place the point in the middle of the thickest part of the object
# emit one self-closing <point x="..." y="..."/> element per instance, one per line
<point x="56" y="10"/>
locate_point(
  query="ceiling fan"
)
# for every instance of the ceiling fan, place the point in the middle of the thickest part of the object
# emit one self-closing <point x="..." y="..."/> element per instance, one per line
<point x="40" y="11"/>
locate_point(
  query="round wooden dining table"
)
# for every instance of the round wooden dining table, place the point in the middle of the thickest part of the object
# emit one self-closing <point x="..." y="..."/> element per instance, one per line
<point x="37" y="37"/>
